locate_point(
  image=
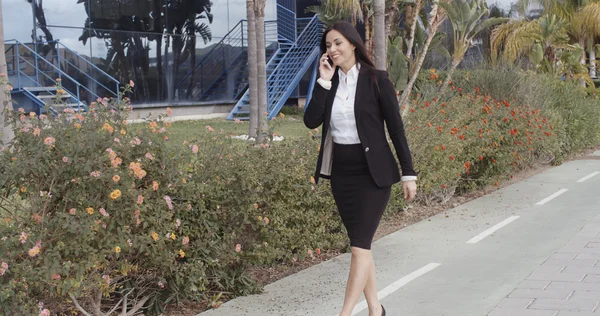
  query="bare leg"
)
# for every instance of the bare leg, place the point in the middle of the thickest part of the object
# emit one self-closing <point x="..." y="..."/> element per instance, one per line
<point x="360" y="269"/>
<point x="371" y="292"/>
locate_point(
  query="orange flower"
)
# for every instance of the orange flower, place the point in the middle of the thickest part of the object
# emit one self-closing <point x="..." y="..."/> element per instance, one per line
<point x="116" y="178"/>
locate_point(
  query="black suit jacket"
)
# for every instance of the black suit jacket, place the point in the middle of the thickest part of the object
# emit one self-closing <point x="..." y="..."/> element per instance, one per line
<point x="375" y="103"/>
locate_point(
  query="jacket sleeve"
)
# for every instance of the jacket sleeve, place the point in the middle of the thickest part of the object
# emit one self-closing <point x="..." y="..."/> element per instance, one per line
<point x="391" y="114"/>
<point x="315" y="111"/>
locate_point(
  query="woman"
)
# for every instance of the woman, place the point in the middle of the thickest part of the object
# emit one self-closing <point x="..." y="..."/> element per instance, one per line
<point x="352" y="100"/>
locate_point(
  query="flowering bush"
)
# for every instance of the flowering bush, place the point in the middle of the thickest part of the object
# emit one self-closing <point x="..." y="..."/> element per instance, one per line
<point x="469" y="139"/>
<point x="575" y="115"/>
<point x="96" y="213"/>
<point x="99" y="217"/>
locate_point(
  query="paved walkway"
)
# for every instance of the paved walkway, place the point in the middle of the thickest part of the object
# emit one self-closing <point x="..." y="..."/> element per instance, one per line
<point x="567" y="284"/>
<point x="529" y="249"/>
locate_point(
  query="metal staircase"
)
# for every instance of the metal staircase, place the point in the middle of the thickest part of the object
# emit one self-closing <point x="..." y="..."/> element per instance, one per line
<point x="222" y="74"/>
<point x="296" y="54"/>
<point x="63" y="76"/>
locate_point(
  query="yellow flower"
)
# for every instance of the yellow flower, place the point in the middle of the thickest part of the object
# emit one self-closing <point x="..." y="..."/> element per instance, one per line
<point x="89" y="210"/>
<point x="23" y="189"/>
<point x="183" y="180"/>
<point x="117" y="249"/>
<point x="154" y="236"/>
<point x="116" y="178"/>
<point x="77" y="125"/>
<point x="181" y="253"/>
<point x="260" y="218"/>
<point x="154" y="185"/>
<point x="115" y="194"/>
<point x="173" y="236"/>
<point x="123" y="132"/>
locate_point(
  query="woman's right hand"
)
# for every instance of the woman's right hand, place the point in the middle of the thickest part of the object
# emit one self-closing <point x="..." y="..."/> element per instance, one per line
<point x="325" y="69"/>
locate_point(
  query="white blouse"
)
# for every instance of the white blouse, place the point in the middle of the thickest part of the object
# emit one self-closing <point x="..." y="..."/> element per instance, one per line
<point x="343" y="123"/>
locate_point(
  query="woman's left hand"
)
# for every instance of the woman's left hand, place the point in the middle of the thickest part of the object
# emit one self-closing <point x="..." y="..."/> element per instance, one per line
<point x="410" y="190"/>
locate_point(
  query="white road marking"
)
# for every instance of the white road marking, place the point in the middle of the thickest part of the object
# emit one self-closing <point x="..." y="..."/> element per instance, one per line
<point x="588" y="177"/>
<point x="551" y="197"/>
<point x="396" y="286"/>
<point x="491" y="230"/>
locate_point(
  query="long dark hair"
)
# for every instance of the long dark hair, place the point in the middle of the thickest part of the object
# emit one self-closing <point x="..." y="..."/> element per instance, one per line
<point x="350" y="33"/>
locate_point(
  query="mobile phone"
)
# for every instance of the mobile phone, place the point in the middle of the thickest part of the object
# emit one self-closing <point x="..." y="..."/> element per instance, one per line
<point x="330" y="61"/>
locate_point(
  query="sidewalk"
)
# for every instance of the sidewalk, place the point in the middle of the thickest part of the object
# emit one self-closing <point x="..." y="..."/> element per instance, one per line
<point x="473" y="260"/>
<point x="567" y="284"/>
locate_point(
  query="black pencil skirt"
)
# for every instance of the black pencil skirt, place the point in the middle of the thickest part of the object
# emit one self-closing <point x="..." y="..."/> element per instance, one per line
<point x="359" y="200"/>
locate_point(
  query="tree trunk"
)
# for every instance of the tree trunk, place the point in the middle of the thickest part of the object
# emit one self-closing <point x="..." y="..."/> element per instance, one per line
<point x="391" y="21"/>
<point x="455" y="63"/>
<point x="252" y="69"/>
<point x="41" y="18"/>
<point x="159" y="69"/>
<point x="169" y="80"/>
<point x="159" y="66"/>
<point x="414" y="17"/>
<point x="379" y="34"/>
<point x="261" y="68"/>
<point x="368" y="33"/>
<point x="6" y="131"/>
<point x="583" y="61"/>
<point x="593" y="71"/>
<point x="437" y="17"/>
<point x="192" y="49"/>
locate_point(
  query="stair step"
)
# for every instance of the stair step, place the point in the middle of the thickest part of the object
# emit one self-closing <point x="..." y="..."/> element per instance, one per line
<point x="50" y="96"/>
<point x="39" y="89"/>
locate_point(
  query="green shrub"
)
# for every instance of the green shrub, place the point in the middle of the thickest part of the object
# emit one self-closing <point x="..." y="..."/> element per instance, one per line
<point x="566" y="102"/>
<point x="93" y="214"/>
<point x="467" y="140"/>
<point x="93" y="210"/>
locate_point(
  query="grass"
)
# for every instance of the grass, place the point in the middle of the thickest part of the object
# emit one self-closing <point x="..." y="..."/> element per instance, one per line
<point x="289" y="127"/>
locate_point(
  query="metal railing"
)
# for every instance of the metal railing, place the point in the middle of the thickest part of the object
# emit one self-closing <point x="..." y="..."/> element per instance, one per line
<point x="225" y="59"/>
<point x="30" y="69"/>
<point x="65" y="64"/>
<point x="282" y="78"/>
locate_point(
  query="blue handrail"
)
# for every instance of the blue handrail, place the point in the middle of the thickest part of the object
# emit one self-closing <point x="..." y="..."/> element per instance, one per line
<point x="209" y="77"/>
<point x="60" y="72"/>
<point x="109" y="77"/>
<point x="210" y="52"/>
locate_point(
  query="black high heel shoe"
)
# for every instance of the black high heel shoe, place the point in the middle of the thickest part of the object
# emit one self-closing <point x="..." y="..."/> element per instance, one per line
<point x="382" y="311"/>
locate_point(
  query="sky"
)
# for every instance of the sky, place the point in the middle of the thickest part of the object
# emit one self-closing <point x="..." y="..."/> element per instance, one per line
<point x="18" y="23"/>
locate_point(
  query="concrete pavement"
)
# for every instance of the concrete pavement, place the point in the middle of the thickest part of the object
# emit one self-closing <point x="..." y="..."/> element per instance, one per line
<point x="513" y="252"/>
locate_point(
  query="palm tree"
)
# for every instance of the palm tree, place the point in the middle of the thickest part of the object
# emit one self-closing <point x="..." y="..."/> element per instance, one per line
<point x="252" y="68"/>
<point x="331" y="11"/>
<point x="5" y="105"/>
<point x="380" y="37"/>
<point x="437" y="15"/>
<point x="467" y="21"/>
<point x="261" y="67"/>
<point x="583" y="18"/>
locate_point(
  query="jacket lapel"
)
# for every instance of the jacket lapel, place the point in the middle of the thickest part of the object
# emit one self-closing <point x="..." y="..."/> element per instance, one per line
<point x="331" y="96"/>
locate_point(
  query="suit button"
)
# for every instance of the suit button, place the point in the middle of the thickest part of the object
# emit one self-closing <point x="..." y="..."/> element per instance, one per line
<point x="367" y="149"/>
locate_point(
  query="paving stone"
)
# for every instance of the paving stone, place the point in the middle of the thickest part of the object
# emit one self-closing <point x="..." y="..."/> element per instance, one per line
<point x="573" y="277"/>
<point x="515" y="303"/>
<point x="520" y="312"/>
<point x="570" y="262"/>
<point x="533" y="285"/>
<point x="553" y="293"/>
<point x="575" y="286"/>
<point x="564" y="305"/>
